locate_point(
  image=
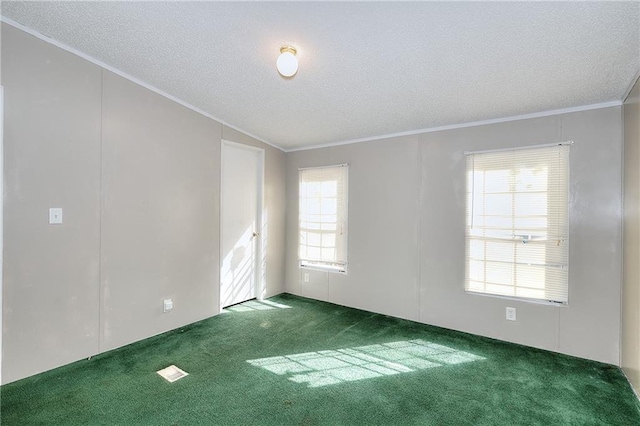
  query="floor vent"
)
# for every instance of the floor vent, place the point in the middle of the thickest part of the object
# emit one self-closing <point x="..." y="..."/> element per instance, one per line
<point x="172" y="373"/>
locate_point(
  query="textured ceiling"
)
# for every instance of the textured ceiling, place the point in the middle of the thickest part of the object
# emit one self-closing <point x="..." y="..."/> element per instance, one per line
<point x="366" y="69"/>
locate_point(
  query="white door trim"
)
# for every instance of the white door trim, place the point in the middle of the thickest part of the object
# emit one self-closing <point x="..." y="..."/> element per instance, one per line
<point x="260" y="226"/>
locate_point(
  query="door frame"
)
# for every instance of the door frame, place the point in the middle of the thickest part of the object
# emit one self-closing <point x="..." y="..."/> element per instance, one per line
<point x="259" y="265"/>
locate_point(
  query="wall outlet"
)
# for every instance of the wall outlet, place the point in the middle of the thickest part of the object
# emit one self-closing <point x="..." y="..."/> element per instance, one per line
<point x="168" y="305"/>
<point x="306" y="277"/>
<point x="55" y="215"/>
<point x="511" y="314"/>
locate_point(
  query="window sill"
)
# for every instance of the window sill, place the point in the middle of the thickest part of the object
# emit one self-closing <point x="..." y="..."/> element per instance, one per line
<point x="521" y="299"/>
<point x="324" y="269"/>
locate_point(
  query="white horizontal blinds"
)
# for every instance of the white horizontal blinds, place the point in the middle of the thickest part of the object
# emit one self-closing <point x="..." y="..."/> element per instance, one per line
<point x="517" y="234"/>
<point x="323" y="217"/>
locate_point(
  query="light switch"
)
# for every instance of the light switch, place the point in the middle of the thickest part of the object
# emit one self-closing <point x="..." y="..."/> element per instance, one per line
<point x="55" y="215"/>
<point x="168" y="305"/>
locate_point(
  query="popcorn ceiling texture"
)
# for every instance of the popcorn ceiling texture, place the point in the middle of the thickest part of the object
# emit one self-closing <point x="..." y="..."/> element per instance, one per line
<point x="366" y="69"/>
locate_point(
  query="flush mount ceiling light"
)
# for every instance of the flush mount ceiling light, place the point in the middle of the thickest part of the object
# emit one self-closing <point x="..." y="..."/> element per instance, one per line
<point x="287" y="62"/>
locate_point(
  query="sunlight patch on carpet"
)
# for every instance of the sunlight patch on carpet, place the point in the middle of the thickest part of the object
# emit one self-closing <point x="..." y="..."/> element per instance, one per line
<point x="172" y="373"/>
<point x="330" y="367"/>
<point x="255" y="305"/>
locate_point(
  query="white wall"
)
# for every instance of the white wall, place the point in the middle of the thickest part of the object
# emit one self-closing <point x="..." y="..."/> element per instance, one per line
<point x="407" y="198"/>
<point x="51" y="159"/>
<point x="159" y="213"/>
<point x="383" y="271"/>
<point x="631" y="288"/>
<point x="138" y="177"/>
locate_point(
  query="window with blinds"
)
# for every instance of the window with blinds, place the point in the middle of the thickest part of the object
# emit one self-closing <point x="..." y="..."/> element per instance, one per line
<point x="322" y="241"/>
<point x="517" y="233"/>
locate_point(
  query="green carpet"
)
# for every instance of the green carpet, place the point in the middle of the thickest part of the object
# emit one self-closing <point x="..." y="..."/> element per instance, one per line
<point x="316" y="363"/>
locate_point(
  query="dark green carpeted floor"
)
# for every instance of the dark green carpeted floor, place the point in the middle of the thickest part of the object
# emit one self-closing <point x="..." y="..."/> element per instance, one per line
<point x="315" y="363"/>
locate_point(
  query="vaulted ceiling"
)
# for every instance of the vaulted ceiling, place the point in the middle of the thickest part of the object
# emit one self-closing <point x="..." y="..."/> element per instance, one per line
<point x="366" y="68"/>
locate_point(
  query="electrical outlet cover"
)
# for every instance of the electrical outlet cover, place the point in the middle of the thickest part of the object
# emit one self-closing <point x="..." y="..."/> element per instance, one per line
<point x="55" y="215"/>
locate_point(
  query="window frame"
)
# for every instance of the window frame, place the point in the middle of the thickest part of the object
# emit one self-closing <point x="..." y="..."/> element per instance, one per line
<point x="340" y="262"/>
<point x="556" y="201"/>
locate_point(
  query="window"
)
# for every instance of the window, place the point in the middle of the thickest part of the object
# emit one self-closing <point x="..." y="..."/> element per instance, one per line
<point x="517" y="233"/>
<point x="323" y="218"/>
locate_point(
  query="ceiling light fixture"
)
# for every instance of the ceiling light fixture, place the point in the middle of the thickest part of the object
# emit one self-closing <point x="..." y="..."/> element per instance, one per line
<point x="287" y="62"/>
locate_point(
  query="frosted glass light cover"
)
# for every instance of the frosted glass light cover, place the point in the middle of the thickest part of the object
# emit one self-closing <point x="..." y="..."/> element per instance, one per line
<point x="287" y="64"/>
